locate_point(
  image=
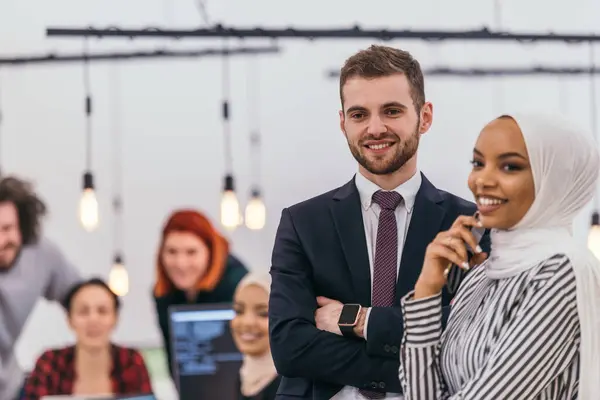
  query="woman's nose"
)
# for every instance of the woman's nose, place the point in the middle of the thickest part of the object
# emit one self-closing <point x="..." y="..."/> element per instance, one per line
<point x="248" y="319"/>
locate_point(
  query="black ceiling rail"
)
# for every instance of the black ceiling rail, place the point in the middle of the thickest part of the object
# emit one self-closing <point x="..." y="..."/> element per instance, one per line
<point x="136" y="55"/>
<point x="483" y="72"/>
<point x="356" y="32"/>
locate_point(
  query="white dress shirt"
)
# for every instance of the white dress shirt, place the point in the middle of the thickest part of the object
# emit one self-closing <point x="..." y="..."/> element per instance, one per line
<point x="370" y="213"/>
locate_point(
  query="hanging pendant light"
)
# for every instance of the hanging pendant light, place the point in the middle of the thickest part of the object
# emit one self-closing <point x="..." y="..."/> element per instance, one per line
<point x="230" y="207"/>
<point x="88" y="204"/>
<point x="256" y="212"/>
<point x="593" y="241"/>
<point x="118" y="278"/>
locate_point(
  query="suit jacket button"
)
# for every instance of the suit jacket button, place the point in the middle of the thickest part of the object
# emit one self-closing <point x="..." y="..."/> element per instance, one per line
<point x="374" y="385"/>
<point x="394" y="349"/>
<point x="382" y="385"/>
<point x="386" y="348"/>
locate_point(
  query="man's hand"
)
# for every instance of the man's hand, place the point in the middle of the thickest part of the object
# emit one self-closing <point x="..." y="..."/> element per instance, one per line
<point x="328" y="315"/>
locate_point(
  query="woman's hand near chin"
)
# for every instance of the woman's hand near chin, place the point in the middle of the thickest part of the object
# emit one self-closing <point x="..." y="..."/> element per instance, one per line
<point x="448" y="247"/>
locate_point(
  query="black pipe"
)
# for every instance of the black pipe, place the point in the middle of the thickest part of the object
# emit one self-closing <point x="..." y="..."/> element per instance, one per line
<point x="482" y="72"/>
<point x="61" y="58"/>
<point x="220" y="31"/>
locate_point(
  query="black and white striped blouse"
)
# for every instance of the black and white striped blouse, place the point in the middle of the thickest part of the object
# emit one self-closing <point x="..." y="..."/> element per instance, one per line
<point x="509" y="339"/>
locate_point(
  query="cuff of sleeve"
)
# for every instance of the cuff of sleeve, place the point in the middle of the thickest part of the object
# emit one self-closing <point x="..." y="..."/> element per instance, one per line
<point x="366" y="322"/>
<point x="422" y="320"/>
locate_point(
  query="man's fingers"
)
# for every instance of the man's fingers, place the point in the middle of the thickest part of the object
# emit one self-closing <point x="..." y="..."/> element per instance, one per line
<point x="323" y="301"/>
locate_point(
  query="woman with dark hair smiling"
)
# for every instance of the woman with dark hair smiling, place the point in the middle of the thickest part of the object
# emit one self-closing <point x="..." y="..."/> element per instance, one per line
<point x="94" y="365"/>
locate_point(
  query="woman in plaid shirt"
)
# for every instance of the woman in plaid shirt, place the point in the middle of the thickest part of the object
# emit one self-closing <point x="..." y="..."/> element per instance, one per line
<point x="94" y="365"/>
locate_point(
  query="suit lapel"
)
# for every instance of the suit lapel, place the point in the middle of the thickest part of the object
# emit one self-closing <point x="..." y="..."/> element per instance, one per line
<point x="425" y="224"/>
<point x="348" y="221"/>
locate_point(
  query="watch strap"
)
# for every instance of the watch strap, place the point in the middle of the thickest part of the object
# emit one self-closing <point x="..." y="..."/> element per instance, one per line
<point x="347" y="331"/>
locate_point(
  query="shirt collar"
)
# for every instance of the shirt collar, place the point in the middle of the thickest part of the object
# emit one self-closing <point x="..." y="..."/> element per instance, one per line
<point x="408" y="190"/>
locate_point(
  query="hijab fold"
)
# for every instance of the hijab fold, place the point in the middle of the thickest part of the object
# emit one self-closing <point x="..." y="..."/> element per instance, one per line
<point x="565" y="163"/>
<point x="257" y="371"/>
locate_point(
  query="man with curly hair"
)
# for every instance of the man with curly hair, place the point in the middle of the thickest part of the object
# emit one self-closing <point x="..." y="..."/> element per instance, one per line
<point x="31" y="266"/>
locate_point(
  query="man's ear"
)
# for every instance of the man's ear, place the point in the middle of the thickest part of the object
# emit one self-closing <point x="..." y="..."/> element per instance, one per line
<point x="426" y="117"/>
<point x="342" y="122"/>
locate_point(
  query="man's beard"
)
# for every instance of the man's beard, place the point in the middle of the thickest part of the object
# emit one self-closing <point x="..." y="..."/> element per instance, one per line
<point x="404" y="151"/>
<point x="6" y="265"/>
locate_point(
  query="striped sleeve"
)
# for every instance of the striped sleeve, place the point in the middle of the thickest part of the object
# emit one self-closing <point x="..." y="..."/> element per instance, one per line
<point x="419" y="370"/>
<point x="536" y="345"/>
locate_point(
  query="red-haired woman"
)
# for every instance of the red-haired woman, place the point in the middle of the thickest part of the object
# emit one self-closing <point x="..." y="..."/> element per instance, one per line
<point x="193" y="266"/>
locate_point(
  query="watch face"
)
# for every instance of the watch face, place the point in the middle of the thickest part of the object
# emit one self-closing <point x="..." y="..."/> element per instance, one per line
<point x="348" y="315"/>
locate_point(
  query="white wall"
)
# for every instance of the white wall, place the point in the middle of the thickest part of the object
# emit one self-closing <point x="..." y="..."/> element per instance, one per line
<point x="171" y="118"/>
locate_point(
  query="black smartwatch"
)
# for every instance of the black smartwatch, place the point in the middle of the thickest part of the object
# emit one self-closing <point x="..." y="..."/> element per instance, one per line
<point x="349" y="319"/>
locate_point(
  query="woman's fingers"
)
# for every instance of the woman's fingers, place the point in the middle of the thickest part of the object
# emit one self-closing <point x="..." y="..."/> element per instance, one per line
<point x="448" y="253"/>
<point x="468" y="221"/>
<point x="477" y="259"/>
<point x="457" y="245"/>
<point x="465" y="234"/>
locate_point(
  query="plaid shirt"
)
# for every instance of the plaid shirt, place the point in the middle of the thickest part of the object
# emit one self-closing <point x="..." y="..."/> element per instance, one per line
<point x="54" y="373"/>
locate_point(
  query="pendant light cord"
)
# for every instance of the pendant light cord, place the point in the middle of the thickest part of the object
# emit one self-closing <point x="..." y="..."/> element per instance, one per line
<point x="253" y="100"/>
<point x="226" y="111"/>
<point x="594" y="108"/>
<point x="117" y="158"/>
<point x="88" y="107"/>
<point x="498" y="86"/>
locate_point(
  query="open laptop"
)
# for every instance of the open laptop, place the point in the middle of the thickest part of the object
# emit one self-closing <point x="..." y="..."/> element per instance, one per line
<point x="206" y="362"/>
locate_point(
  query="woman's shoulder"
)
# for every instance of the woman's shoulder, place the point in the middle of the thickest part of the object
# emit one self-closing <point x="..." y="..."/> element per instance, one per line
<point x="555" y="275"/>
<point x="58" y="356"/>
<point x="558" y="266"/>
<point x="235" y="270"/>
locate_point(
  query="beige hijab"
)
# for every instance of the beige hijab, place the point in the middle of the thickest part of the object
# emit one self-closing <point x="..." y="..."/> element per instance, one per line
<point x="257" y="371"/>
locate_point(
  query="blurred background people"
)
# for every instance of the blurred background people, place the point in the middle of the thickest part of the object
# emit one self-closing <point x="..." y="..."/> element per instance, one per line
<point x="94" y="365"/>
<point x="193" y="266"/>
<point x="250" y="329"/>
<point x="31" y="266"/>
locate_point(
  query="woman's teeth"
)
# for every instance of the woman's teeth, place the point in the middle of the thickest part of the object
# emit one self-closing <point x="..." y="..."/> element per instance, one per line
<point x="488" y="201"/>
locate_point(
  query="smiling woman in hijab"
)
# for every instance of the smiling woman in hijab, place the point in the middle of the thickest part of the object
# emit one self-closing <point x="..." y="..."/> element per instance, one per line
<point x="526" y="322"/>
<point x="250" y="328"/>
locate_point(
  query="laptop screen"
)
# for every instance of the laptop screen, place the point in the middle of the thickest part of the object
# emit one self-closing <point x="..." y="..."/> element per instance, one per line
<point x="206" y="361"/>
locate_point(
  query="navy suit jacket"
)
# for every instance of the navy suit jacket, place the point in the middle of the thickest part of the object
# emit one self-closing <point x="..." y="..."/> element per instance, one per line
<point x="320" y="250"/>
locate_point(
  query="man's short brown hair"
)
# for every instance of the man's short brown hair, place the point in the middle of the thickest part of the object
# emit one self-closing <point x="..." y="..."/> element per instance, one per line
<point x="379" y="61"/>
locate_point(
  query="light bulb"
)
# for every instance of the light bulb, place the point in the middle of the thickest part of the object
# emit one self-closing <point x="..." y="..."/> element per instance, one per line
<point x="118" y="278"/>
<point x="256" y="212"/>
<point x="593" y="241"/>
<point x="230" y="206"/>
<point x="230" y="210"/>
<point x="88" y="204"/>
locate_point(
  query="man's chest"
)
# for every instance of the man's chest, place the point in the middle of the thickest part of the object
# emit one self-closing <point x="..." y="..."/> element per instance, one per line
<point x="20" y="290"/>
